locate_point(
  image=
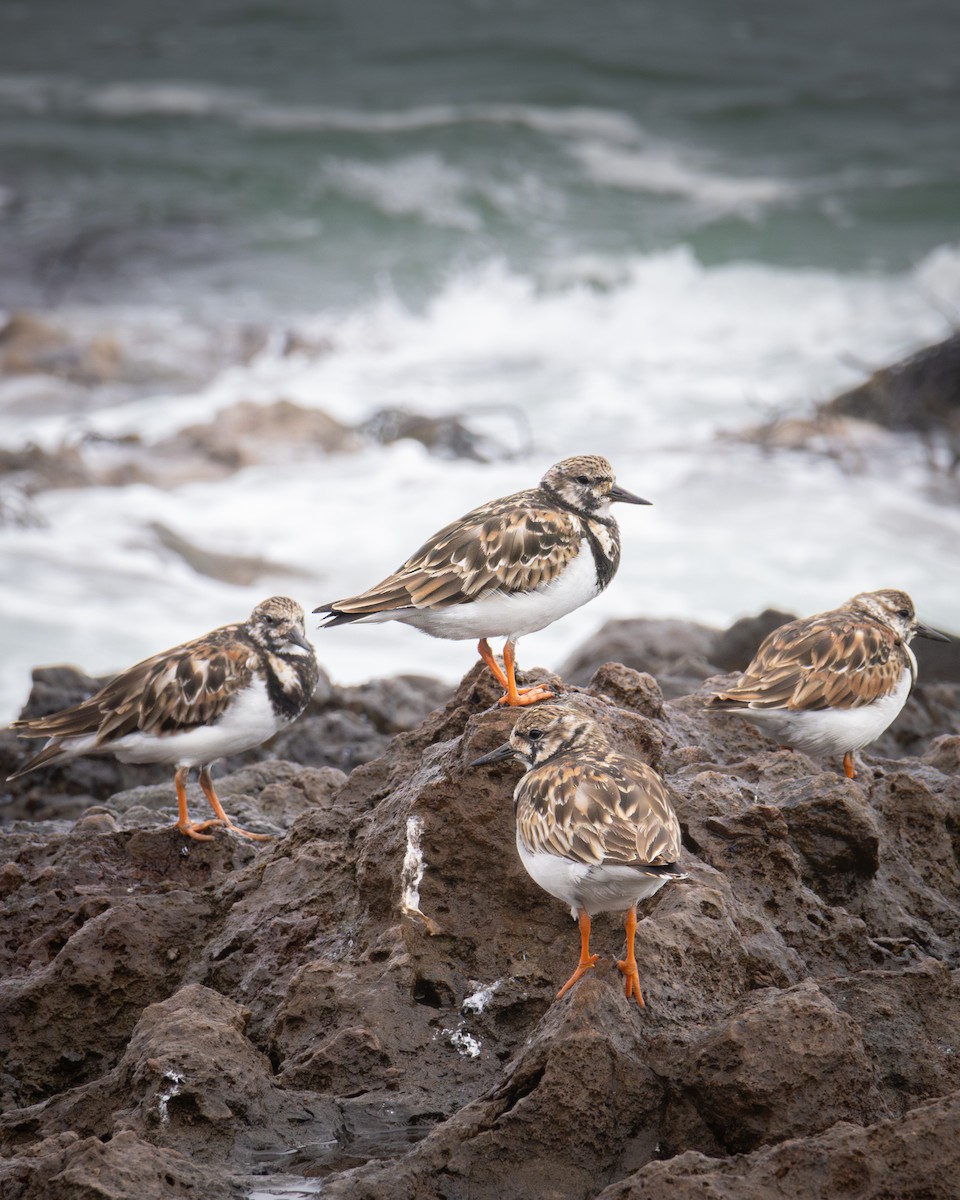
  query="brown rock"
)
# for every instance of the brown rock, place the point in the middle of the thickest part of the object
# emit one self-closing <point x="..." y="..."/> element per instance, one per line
<point x="31" y="345"/>
<point x="248" y="433"/>
<point x="835" y="830"/>
<point x="920" y="393"/>
<point x="789" y="1063"/>
<point x="66" y="1167"/>
<point x="447" y="436"/>
<point x="917" y="1157"/>
<point x="676" y="653"/>
<point x="239" y="569"/>
<point x="370" y="997"/>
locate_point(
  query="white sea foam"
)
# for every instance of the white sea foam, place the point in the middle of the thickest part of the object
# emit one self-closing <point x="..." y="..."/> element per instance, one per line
<point x="420" y="185"/>
<point x="667" y="170"/>
<point x="557" y="122"/>
<point x="167" y="99"/>
<point x="646" y="368"/>
<point x="194" y="98"/>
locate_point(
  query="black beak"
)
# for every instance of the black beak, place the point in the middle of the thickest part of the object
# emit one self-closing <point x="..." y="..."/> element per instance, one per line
<point x="299" y="639"/>
<point x="617" y="493"/>
<point x="498" y="755"/>
<point x="934" y="635"/>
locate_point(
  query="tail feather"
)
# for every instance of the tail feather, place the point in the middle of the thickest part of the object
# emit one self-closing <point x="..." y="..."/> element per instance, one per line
<point x="333" y="617"/>
<point x="725" y="703"/>
<point x="51" y="753"/>
<point x="670" y="870"/>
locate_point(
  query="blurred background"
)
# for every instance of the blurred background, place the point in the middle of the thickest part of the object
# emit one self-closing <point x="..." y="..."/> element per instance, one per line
<point x="286" y="286"/>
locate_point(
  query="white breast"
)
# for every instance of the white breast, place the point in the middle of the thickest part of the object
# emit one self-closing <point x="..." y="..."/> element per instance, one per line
<point x="506" y="614"/>
<point x="833" y="730"/>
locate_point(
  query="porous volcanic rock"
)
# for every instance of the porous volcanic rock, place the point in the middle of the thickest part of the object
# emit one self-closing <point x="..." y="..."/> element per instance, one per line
<point x="368" y="1001"/>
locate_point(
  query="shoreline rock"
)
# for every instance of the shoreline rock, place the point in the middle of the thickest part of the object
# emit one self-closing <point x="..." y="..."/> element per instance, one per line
<point x="227" y="1015"/>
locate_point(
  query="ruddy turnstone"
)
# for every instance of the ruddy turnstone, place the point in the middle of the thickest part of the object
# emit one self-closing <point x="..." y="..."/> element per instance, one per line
<point x="833" y="682"/>
<point x="594" y="827"/>
<point x="222" y="693"/>
<point x="507" y="568"/>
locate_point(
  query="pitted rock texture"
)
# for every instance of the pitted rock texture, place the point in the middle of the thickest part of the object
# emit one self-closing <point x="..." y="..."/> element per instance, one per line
<point x="367" y="1002"/>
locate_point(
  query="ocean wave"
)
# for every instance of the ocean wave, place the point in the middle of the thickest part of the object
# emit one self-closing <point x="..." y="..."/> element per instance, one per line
<point x="429" y="188"/>
<point x="421" y="185"/>
<point x="558" y="122"/>
<point x="663" y="343"/>
<point x="664" y="170"/>
<point x="644" y="360"/>
<point x="129" y="99"/>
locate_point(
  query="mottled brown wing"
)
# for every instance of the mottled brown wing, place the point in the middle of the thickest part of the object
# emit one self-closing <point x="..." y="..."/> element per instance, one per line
<point x="615" y="811"/>
<point x="515" y="544"/>
<point x="831" y="661"/>
<point x="177" y="689"/>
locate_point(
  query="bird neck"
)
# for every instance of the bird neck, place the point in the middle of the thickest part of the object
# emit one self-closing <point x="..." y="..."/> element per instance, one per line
<point x="291" y="679"/>
<point x="584" y="514"/>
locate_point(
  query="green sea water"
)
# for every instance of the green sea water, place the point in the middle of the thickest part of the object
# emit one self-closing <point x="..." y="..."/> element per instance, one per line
<point x="299" y="154"/>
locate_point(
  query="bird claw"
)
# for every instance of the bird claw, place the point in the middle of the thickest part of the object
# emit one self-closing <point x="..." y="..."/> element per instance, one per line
<point x="527" y="695"/>
<point x="257" y="837"/>
<point x="583" y="966"/>
<point x="192" y="829"/>
<point x="632" y="980"/>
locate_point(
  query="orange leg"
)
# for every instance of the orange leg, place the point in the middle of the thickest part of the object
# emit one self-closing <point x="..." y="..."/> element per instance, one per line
<point x="628" y="965"/>
<point x="848" y="768"/>
<point x="222" y="819"/>
<point x="187" y="827"/>
<point x="518" y="696"/>
<point x="587" y="960"/>
<point x="483" y="649"/>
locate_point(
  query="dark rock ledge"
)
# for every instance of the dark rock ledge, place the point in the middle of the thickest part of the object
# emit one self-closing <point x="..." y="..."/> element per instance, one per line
<point x="221" y="1019"/>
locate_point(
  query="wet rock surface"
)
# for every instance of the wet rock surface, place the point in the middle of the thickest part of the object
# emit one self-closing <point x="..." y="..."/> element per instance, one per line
<point x="57" y="367"/>
<point x="366" y="1004"/>
<point x="917" y="397"/>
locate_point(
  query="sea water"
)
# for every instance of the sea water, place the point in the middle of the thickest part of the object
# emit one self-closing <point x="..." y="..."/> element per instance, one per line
<point x="629" y="229"/>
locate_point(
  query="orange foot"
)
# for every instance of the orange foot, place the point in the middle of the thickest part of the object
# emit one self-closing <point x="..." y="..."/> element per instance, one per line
<point x="206" y="783"/>
<point x="632" y="988"/>
<point x="514" y="696"/>
<point x="848" y="768"/>
<point x="628" y="966"/>
<point x="587" y="960"/>
<point x="518" y="697"/>
<point x="192" y="829"/>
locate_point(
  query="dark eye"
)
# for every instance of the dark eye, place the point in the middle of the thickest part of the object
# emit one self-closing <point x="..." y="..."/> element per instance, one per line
<point x="584" y="479"/>
<point x="534" y="734"/>
<point x="905" y="613"/>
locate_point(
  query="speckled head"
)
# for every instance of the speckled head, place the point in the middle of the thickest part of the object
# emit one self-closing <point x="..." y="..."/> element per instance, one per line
<point x="279" y="623"/>
<point x="895" y="610"/>
<point x="545" y="730"/>
<point x="587" y="484"/>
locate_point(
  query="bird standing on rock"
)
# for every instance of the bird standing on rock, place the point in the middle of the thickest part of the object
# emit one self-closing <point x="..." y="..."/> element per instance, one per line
<point x="594" y="828"/>
<point x="220" y="694"/>
<point x="833" y="682"/>
<point x="507" y="568"/>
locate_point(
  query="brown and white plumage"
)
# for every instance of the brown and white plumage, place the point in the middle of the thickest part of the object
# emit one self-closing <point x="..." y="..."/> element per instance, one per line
<point x="506" y="568"/>
<point x="833" y="682"/>
<point x="595" y="828"/>
<point x="221" y="693"/>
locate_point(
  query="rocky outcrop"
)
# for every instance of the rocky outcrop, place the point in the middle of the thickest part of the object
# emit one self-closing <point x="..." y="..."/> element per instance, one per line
<point x="921" y="393"/>
<point x="369" y="999"/>
<point x="919" y="396"/>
